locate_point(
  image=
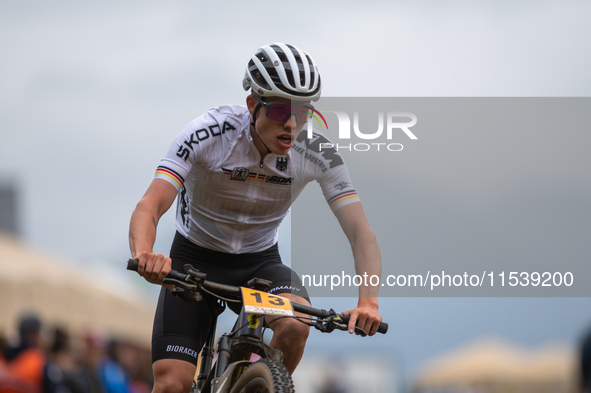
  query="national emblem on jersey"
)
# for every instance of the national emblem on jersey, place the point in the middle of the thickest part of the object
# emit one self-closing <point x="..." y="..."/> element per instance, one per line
<point x="281" y="164"/>
<point x="242" y="174"/>
<point x="239" y="173"/>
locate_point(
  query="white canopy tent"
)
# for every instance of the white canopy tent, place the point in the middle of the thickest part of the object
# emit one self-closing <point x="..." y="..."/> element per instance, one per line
<point x="66" y="296"/>
<point x="495" y="366"/>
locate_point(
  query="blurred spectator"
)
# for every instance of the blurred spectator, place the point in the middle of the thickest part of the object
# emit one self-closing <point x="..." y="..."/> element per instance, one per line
<point x="113" y="375"/>
<point x="94" y="353"/>
<point x="25" y="363"/>
<point x="104" y="367"/>
<point x="135" y="364"/>
<point x="103" y="371"/>
<point x="63" y="374"/>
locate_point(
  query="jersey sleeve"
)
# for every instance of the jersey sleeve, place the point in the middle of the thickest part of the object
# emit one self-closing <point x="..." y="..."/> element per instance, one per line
<point x="337" y="187"/>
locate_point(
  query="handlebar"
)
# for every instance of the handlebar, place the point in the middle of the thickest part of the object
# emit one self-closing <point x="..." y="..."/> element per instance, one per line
<point x="229" y="290"/>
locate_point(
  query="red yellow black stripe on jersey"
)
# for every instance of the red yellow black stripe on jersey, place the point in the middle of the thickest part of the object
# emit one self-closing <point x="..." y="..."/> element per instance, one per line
<point x="178" y="179"/>
<point x="345" y="196"/>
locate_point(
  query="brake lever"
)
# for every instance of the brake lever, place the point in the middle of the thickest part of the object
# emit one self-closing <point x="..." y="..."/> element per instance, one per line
<point x="183" y="290"/>
<point x="181" y="284"/>
<point x="343" y="327"/>
<point x="360" y="331"/>
<point x="337" y="322"/>
<point x="187" y="296"/>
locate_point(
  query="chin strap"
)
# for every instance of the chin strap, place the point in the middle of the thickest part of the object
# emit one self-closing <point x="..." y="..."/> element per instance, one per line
<point x="254" y="119"/>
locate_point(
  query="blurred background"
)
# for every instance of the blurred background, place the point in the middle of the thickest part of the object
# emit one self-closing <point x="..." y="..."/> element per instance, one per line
<point x="93" y="94"/>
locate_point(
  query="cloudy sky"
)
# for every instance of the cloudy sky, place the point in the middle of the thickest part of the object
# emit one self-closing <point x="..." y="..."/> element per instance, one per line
<point x="93" y="94"/>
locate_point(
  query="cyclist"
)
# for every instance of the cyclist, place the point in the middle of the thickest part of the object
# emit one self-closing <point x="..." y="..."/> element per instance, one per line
<point x="235" y="175"/>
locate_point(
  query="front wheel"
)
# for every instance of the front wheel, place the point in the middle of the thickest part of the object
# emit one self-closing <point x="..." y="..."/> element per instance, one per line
<point x="264" y="376"/>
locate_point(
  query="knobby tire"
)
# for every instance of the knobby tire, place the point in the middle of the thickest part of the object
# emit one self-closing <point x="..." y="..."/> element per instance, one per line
<point x="264" y="376"/>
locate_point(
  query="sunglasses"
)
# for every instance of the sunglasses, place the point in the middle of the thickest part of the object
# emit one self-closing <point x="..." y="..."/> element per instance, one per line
<point x="283" y="112"/>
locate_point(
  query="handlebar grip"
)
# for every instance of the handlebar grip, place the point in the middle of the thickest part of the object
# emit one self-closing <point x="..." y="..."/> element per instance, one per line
<point x="383" y="328"/>
<point x="133" y="264"/>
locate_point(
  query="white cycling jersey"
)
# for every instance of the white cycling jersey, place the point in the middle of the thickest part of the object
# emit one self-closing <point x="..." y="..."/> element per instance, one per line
<point x="232" y="201"/>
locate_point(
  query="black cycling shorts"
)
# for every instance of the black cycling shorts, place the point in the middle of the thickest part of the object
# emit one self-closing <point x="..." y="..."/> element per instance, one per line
<point x="181" y="328"/>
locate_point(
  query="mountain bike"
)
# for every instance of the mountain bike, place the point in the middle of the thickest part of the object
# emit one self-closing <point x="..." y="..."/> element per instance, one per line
<point x="235" y="370"/>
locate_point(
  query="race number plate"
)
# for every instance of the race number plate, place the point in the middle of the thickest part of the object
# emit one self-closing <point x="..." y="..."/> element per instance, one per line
<point x="258" y="302"/>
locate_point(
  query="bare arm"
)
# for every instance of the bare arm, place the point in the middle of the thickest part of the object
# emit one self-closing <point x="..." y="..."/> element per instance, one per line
<point x="366" y="254"/>
<point x="142" y="230"/>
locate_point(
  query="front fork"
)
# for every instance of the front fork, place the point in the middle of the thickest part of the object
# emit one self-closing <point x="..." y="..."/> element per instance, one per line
<point x="208" y="351"/>
<point x="234" y="351"/>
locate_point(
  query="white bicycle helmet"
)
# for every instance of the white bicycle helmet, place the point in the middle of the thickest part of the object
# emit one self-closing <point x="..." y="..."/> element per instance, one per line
<point x="282" y="70"/>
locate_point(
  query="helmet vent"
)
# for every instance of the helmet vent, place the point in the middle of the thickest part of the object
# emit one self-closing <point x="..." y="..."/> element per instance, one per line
<point x="280" y="69"/>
